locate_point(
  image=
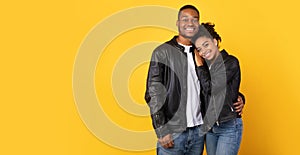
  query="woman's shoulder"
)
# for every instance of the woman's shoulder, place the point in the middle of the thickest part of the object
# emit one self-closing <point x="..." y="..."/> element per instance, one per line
<point x="228" y="57"/>
<point x="229" y="60"/>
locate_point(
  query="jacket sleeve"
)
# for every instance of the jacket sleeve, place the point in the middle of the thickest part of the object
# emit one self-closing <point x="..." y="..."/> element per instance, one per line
<point x="234" y="77"/>
<point x="156" y="93"/>
<point x="243" y="97"/>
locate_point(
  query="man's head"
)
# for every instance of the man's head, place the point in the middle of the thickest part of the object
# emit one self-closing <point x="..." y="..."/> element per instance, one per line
<point x="188" y="21"/>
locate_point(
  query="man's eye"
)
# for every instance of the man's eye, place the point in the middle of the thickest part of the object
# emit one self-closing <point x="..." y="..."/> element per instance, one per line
<point x="195" y="20"/>
<point x="205" y="45"/>
<point x="185" y="20"/>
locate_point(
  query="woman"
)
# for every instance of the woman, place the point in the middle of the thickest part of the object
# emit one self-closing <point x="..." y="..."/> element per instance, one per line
<point x="219" y="77"/>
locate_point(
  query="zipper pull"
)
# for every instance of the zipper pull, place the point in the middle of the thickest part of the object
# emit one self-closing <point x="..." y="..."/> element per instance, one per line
<point x="217" y="123"/>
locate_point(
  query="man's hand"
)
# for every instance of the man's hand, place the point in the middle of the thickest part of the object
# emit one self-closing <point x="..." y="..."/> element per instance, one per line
<point x="239" y="105"/>
<point x="166" y="141"/>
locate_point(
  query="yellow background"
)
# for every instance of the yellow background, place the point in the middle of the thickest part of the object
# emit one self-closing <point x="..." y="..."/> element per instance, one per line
<point x="40" y="40"/>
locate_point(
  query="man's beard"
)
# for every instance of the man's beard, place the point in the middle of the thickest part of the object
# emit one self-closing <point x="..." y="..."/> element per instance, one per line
<point x="188" y="37"/>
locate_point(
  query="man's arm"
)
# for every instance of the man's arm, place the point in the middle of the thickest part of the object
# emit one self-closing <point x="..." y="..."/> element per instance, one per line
<point x="155" y="95"/>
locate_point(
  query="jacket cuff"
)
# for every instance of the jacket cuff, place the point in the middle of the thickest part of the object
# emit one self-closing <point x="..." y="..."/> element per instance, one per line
<point x="243" y="97"/>
<point x="162" y="131"/>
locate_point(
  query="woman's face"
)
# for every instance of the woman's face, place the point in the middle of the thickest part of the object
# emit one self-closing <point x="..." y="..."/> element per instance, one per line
<point x="207" y="47"/>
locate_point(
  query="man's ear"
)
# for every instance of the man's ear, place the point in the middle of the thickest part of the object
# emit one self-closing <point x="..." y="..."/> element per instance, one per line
<point x="177" y="23"/>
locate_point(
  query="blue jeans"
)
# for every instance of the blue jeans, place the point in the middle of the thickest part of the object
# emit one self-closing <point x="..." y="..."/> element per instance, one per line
<point x="189" y="142"/>
<point x="225" y="139"/>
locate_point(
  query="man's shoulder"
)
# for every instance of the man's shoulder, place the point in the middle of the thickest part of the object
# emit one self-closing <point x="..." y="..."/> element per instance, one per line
<point x="172" y="41"/>
<point x="166" y="45"/>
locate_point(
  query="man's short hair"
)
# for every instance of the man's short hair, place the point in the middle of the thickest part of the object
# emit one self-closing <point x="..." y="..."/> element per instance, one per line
<point x="188" y="7"/>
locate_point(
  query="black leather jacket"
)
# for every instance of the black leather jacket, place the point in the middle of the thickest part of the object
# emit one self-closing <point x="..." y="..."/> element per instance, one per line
<point x="220" y="85"/>
<point x="166" y="88"/>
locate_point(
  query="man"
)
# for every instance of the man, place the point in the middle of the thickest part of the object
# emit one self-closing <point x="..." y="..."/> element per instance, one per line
<point x="173" y="91"/>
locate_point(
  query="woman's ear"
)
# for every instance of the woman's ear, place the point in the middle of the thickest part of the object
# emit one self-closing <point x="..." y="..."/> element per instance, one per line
<point x="215" y="42"/>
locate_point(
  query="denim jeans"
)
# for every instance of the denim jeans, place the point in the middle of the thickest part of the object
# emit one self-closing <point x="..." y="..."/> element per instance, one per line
<point x="225" y="138"/>
<point x="189" y="142"/>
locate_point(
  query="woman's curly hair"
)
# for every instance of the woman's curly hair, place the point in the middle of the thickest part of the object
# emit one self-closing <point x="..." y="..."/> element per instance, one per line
<point x="207" y="30"/>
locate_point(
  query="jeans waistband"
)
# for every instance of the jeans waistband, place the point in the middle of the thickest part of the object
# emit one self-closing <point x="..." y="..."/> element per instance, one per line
<point x="197" y="126"/>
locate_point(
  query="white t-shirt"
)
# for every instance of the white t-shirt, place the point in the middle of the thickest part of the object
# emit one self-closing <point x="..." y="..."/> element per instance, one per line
<point x="193" y="113"/>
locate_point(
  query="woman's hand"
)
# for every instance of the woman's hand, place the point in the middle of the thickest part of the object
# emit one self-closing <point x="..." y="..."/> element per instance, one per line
<point x="199" y="60"/>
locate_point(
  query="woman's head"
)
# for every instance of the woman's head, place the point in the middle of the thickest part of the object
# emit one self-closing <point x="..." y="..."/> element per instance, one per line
<point x="207" y="41"/>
